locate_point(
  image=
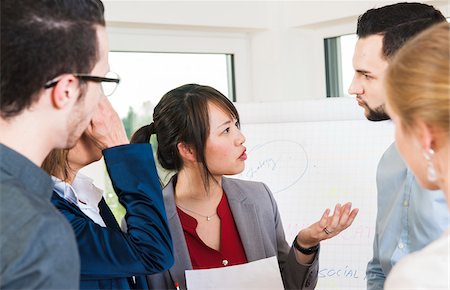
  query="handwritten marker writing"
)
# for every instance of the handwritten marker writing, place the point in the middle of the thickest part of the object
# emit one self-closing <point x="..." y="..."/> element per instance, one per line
<point x="177" y="286"/>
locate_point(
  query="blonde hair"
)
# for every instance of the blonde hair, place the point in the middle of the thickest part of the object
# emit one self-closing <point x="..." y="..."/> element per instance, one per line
<point x="418" y="79"/>
<point x="56" y="163"/>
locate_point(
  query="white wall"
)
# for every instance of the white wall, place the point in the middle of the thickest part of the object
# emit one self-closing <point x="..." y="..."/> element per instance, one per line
<point x="278" y="45"/>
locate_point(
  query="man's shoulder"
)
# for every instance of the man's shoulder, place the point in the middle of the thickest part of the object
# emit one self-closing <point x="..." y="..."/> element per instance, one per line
<point x="391" y="172"/>
<point x="16" y="198"/>
<point x="43" y="243"/>
<point x="26" y="219"/>
<point x="391" y="157"/>
<point x="27" y="212"/>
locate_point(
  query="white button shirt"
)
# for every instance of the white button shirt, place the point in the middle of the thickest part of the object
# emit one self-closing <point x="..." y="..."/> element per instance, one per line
<point x="84" y="194"/>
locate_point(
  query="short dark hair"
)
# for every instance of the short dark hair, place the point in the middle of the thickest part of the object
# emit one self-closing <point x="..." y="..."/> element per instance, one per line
<point x="41" y="40"/>
<point x="397" y="23"/>
<point x="182" y="116"/>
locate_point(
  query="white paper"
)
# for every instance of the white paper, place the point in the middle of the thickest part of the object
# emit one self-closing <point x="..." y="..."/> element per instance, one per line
<point x="261" y="274"/>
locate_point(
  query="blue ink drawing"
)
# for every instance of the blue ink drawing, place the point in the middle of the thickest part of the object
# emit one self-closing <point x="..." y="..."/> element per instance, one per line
<point x="278" y="163"/>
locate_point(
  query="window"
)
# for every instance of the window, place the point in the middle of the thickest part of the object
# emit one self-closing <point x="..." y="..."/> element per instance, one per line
<point x="338" y="62"/>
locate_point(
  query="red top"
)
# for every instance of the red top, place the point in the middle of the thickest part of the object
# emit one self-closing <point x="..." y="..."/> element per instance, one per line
<point x="231" y="249"/>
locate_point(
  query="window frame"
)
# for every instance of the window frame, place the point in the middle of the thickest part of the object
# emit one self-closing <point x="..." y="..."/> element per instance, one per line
<point x="139" y="39"/>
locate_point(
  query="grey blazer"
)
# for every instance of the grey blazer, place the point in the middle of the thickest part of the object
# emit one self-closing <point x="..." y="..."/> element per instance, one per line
<point x="259" y="225"/>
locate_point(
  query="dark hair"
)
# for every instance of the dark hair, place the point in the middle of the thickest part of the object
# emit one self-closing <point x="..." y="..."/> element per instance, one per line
<point x="41" y="40"/>
<point x="182" y="116"/>
<point x="397" y="23"/>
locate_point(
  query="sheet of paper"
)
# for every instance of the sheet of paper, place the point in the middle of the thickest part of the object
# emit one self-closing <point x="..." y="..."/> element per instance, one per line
<point x="261" y="274"/>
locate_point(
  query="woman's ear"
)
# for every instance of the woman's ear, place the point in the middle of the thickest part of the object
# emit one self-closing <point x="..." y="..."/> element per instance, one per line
<point x="65" y="91"/>
<point x="186" y="152"/>
<point x="425" y="135"/>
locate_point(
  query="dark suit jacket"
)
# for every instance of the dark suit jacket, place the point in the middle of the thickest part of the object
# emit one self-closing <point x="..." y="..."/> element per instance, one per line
<point x="109" y="257"/>
<point x="259" y="225"/>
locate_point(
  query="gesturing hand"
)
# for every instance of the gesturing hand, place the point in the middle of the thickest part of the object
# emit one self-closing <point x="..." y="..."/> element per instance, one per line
<point x="328" y="226"/>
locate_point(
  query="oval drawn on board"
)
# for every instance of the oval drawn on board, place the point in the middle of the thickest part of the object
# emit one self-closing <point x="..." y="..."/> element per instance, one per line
<point x="278" y="163"/>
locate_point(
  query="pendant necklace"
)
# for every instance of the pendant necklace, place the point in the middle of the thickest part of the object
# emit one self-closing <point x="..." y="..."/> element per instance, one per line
<point x="208" y="217"/>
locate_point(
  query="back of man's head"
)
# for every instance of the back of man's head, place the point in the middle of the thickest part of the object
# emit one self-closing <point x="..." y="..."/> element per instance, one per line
<point x="41" y="40"/>
<point x="397" y="23"/>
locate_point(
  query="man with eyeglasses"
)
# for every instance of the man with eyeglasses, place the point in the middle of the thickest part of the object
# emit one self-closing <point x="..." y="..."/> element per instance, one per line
<point x="54" y="76"/>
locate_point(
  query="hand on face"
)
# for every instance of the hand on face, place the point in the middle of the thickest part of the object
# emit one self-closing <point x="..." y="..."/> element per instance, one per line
<point x="106" y="126"/>
<point x="328" y="226"/>
<point x="85" y="151"/>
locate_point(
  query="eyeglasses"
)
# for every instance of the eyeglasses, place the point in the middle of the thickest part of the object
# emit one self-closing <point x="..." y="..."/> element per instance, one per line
<point x="109" y="82"/>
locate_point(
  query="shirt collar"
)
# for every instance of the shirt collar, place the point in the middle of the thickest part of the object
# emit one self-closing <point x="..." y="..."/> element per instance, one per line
<point x="64" y="190"/>
<point x="86" y="192"/>
<point x="81" y="192"/>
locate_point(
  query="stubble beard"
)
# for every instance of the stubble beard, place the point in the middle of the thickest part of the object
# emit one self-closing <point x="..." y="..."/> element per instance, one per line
<point x="376" y="114"/>
<point x="77" y="123"/>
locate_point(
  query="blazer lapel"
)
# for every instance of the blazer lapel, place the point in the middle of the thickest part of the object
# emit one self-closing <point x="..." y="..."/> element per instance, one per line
<point x="181" y="253"/>
<point x="107" y="215"/>
<point x="246" y="218"/>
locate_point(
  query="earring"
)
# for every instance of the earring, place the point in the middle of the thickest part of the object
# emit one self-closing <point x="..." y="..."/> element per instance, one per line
<point x="431" y="172"/>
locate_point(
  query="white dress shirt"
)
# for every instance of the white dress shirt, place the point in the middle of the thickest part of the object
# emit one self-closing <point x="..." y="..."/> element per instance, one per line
<point x="84" y="194"/>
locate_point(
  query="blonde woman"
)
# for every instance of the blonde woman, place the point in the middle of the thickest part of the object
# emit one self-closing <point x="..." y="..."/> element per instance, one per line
<point x="418" y="102"/>
<point x="110" y="258"/>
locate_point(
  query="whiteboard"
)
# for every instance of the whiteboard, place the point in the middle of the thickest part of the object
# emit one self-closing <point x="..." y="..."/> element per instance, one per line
<point x="312" y="155"/>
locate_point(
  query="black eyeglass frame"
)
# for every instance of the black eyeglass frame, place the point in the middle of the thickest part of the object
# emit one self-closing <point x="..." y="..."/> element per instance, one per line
<point x="85" y="77"/>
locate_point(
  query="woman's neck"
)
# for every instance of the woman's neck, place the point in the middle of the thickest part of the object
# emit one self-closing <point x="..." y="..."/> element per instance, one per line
<point x="71" y="174"/>
<point x="190" y="186"/>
